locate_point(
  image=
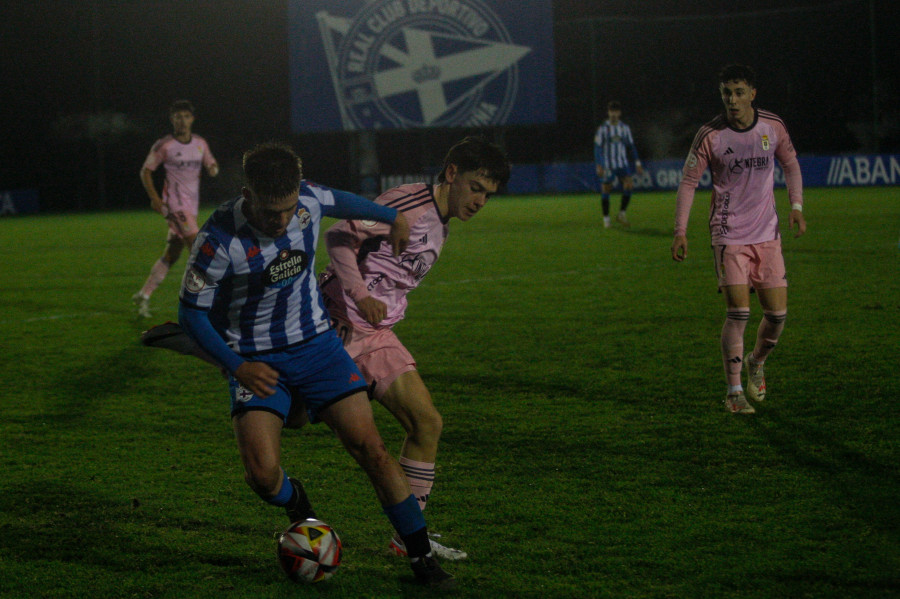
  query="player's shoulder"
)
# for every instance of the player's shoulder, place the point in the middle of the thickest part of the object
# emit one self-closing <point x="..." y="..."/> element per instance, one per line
<point x="769" y="117"/>
<point x="710" y="128"/>
<point x="409" y="198"/>
<point x="162" y="142"/>
<point x="316" y="191"/>
<point x="224" y="217"/>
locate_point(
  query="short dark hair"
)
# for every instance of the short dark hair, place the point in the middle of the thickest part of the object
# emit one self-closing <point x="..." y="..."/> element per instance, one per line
<point x="179" y="105"/>
<point x="738" y="72"/>
<point x="273" y="171"/>
<point x="474" y="153"/>
<point x="614" y="105"/>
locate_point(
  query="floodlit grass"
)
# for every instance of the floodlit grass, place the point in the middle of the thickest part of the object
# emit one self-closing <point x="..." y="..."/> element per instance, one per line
<point x="586" y="451"/>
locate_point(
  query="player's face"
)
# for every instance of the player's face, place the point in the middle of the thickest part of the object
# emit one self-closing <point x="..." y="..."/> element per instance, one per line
<point x="182" y="121"/>
<point x="614" y="116"/>
<point x="738" y="98"/>
<point x="271" y="216"/>
<point x="469" y="192"/>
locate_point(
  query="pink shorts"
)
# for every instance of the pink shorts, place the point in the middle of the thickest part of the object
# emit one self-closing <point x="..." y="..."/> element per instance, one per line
<point x="379" y="355"/>
<point x="760" y="265"/>
<point x="182" y="224"/>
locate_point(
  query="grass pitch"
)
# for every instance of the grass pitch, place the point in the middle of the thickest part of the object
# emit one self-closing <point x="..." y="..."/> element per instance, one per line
<point x="586" y="451"/>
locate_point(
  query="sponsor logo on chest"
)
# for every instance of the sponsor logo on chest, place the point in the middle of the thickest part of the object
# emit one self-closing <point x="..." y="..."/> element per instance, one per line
<point x="285" y="268"/>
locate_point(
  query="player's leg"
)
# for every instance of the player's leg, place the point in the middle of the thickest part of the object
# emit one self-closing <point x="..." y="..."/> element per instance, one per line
<point x="158" y="273"/>
<point x="170" y="335"/>
<point x="774" y="304"/>
<point x="352" y="420"/>
<point x="408" y="399"/>
<point x="769" y="279"/>
<point x="737" y="300"/>
<point x="627" y="188"/>
<point x="605" y="191"/>
<point x="258" y="434"/>
<point x="732" y="271"/>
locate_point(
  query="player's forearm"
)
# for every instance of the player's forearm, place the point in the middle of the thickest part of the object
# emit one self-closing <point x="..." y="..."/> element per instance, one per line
<point x="353" y="207"/>
<point x="683" y="202"/>
<point x="196" y="324"/>
<point x="147" y="180"/>
<point x="793" y="180"/>
<point x="344" y="261"/>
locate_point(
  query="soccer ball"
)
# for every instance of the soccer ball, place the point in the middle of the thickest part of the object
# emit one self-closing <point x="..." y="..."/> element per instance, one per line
<point x="309" y="551"/>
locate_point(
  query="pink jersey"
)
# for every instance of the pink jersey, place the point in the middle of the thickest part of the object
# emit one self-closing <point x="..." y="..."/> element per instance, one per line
<point x="182" y="162"/>
<point x="742" y="163"/>
<point x="363" y="260"/>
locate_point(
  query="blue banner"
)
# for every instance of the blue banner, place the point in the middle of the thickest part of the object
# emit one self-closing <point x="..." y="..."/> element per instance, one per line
<point x="818" y="171"/>
<point x="20" y="201"/>
<point x="400" y="64"/>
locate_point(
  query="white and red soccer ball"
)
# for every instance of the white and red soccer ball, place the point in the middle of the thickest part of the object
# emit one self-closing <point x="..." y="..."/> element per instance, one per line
<point x="309" y="551"/>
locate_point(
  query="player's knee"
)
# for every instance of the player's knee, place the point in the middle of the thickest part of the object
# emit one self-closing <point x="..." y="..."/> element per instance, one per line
<point x="263" y="479"/>
<point x="427" y="426"/>
<point x="369" y="452"/>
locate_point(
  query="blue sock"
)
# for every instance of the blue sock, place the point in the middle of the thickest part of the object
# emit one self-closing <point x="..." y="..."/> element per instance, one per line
<point x="284" y="495"/>
<point x="406" y="517"/>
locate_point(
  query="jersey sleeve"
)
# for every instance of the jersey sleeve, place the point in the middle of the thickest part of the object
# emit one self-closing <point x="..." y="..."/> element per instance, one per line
<point x="156" y="156"/>
<point x="598" y="148"/>
<point x="632" y="147"/>
<point x="197" y="325"/>
<point x="787" y="157"/>
<point x="696" y="162"/>
<point x="208" y="158"/>
<point x="208" y="264"/>
<point x="343" y="241"/>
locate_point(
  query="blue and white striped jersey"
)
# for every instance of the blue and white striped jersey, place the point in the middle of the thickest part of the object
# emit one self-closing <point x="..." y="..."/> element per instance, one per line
<point x="612" y="146"/>
<point x="260" y="293"/>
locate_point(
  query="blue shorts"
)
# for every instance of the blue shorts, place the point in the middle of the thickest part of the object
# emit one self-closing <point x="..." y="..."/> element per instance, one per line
<point x="610" y="174"/>
<point x="314" y="374"/>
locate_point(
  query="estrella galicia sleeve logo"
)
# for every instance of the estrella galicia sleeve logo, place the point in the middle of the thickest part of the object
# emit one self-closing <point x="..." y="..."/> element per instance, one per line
<point x="286" y="268"/>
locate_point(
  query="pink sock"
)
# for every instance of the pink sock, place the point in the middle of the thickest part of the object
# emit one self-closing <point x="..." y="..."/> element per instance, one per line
<point x="157" y="273"/>
<point x="421" y="478"/>
<point x="733" y="344"/>
<point x="767" y="335"/>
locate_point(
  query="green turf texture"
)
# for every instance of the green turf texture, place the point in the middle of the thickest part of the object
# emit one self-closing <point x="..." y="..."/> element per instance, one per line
<point x="586" y="451"/>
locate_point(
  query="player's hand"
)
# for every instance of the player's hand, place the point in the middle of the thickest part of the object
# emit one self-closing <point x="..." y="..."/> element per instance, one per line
<point x="213" y="169"/>
<point x="373" y="310"/>
<point x="399" y="234"/>
<point x="796" y="218"/>
<point x="158" y="205"/>
<point x="679" y="248"/>
<point x="258" y="377"/>
<point x="600" y="171"/>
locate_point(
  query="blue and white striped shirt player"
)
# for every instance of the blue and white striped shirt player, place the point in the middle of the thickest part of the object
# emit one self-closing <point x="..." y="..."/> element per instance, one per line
<point x="261" y="293"/>
<point x="614" y="147"/>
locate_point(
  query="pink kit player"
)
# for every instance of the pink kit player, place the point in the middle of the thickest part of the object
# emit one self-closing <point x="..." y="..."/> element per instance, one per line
<point x="365" y="289"/>
<point x="182" y="154"/>
<point x="740" y="149"/>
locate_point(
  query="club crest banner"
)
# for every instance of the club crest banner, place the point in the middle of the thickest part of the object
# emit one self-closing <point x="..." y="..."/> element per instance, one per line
<point x="400" y="64"/>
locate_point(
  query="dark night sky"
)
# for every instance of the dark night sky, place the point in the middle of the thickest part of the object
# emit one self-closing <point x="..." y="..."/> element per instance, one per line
<point x="63" y="60"/>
